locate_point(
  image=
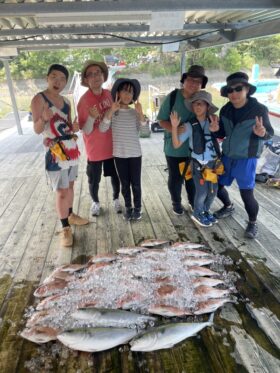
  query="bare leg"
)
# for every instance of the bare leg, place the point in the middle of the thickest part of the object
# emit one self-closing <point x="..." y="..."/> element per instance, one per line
<point x="62" y="203"/>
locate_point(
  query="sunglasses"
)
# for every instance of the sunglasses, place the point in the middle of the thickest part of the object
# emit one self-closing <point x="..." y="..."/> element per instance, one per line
<point x="239" y="88"/>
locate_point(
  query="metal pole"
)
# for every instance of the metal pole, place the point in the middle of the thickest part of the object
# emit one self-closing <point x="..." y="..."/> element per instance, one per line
<point x="183" y="62"/>
<point x="13" y="99"/>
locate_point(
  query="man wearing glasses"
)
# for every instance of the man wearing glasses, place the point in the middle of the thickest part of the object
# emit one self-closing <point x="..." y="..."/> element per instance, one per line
<point x="99" y="147"/>
<point x="244" y="125"/>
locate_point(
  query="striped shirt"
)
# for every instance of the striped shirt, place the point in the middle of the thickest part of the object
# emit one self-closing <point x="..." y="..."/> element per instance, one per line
<point x="125" y="130"/>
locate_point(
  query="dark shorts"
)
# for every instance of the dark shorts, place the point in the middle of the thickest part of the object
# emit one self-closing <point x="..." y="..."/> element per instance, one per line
<point x="243" y="170"/>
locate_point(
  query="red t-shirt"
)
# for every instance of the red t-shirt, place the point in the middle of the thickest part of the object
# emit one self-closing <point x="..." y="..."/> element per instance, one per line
<point x="99" y="146"/>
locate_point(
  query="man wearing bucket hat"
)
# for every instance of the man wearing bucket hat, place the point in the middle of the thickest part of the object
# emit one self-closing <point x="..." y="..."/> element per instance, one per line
<point x="192" y="81"/>
<point x="91" y="109"/>
<point x="205" y="153"/>
<point x="244" y="125"/>
<point x="125" y="122"/>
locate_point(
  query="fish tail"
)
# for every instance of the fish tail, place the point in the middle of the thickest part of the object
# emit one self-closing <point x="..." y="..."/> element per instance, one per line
<point x="211" y="318"/>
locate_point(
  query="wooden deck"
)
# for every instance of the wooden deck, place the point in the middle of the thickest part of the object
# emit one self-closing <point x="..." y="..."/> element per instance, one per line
<point x="246" y="335"/>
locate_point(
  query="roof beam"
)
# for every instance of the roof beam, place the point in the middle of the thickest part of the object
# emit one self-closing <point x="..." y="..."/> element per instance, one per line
<point x="117" y="29"/>
<point x="21" y="9"/>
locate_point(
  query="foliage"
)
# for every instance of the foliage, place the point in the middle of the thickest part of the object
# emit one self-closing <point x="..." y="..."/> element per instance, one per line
<point x="149" y="60"/>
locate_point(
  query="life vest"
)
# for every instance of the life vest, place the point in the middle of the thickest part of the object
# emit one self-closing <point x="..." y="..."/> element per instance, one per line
<point x="199" y="139"/>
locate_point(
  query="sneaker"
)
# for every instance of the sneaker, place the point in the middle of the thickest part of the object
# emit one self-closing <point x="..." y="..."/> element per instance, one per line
<point x="178" y="210"/>
<point x="128" y="214"/>
<point x="202" y="220"/>
<point x="117" y="206"/>
<point x="74" y="219"/>
<point x="95" y="209"/>
<point x="251" y="230"/>
<point x="66" y="237"/>
<point x="224" y="212"/>
<point x="190" y="207"/>
<point x="137" y="214"/>
<point x="210" y="217"/>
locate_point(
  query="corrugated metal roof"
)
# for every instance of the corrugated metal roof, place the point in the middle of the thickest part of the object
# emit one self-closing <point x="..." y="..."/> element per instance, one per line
<point x="51" y="24"/>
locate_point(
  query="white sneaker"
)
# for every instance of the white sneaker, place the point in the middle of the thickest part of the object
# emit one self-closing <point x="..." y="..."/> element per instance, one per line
<point x="117" y="206"/>
<point x="95" y="209"/>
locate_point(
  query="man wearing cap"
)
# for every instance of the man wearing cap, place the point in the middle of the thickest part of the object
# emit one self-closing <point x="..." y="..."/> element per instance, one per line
<point x="91" y="109"/>
<point x="192" y="81"/>
<point x="244" y="125"/>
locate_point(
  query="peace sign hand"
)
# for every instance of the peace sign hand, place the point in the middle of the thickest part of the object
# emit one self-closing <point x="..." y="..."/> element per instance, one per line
<point x="259" y="128"/>
<point x="138" y="107"/>
<point x="116" y="105"/>
<point x="214" y="123"/>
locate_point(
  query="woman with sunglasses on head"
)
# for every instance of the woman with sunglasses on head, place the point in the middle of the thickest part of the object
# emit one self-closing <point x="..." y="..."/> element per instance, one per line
<point x="244" y="125"/>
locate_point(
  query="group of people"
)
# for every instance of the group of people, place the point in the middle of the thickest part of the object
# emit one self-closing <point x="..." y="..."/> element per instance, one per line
<point x="192" y="132"/>
<point x="110" y="128"/>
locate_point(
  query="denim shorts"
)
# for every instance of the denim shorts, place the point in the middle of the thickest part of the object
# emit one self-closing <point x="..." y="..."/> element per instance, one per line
<point x="243" y="170"/>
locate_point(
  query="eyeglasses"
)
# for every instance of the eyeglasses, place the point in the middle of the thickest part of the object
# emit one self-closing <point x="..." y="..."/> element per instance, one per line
<point x="93" y="75"/>
<point x="194" y="80"/>
<point x="239" y="88"/>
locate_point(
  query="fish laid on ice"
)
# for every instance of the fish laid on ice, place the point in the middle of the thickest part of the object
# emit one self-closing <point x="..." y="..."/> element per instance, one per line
<point x="96" y="339"/>
<point x="208" y="281"/>
<point x="39" y="334"/>
<point x="168" y="311"/>
<point x="111" y="317"/>
<point x="211" y="305"/>
<point x="198" y="261"/>
<point x="130" y="250"/>
<point x="201" y="271"/>
<point x="186" y="245"/>
<point x="65" y="272"/>
<point x="153" y="242"/>
<point x="196" y="253"/>
<point x="204" y="292"/>
<point x="103" y="258"/>
<point x="166" y="336"/>
<point x="51" y="288"/>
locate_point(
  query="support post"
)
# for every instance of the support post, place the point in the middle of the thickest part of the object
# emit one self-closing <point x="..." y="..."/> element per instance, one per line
<point x="12" y="95"/>
<point x="183" y="61"/>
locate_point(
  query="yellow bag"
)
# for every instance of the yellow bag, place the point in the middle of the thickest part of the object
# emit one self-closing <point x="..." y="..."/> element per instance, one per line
<point x="211" y="175"/>
<point x="188" y="172"/>
<point x="58" y="152"/>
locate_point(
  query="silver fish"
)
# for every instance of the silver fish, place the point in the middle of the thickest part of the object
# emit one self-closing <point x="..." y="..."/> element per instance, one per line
<point x="166" y="336"/>
<point x="111" y="317"/>
<point x="96" y="339"/>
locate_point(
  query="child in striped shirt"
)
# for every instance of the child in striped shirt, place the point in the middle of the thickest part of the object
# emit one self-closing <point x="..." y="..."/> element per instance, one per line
<point x="125" y="122"/>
